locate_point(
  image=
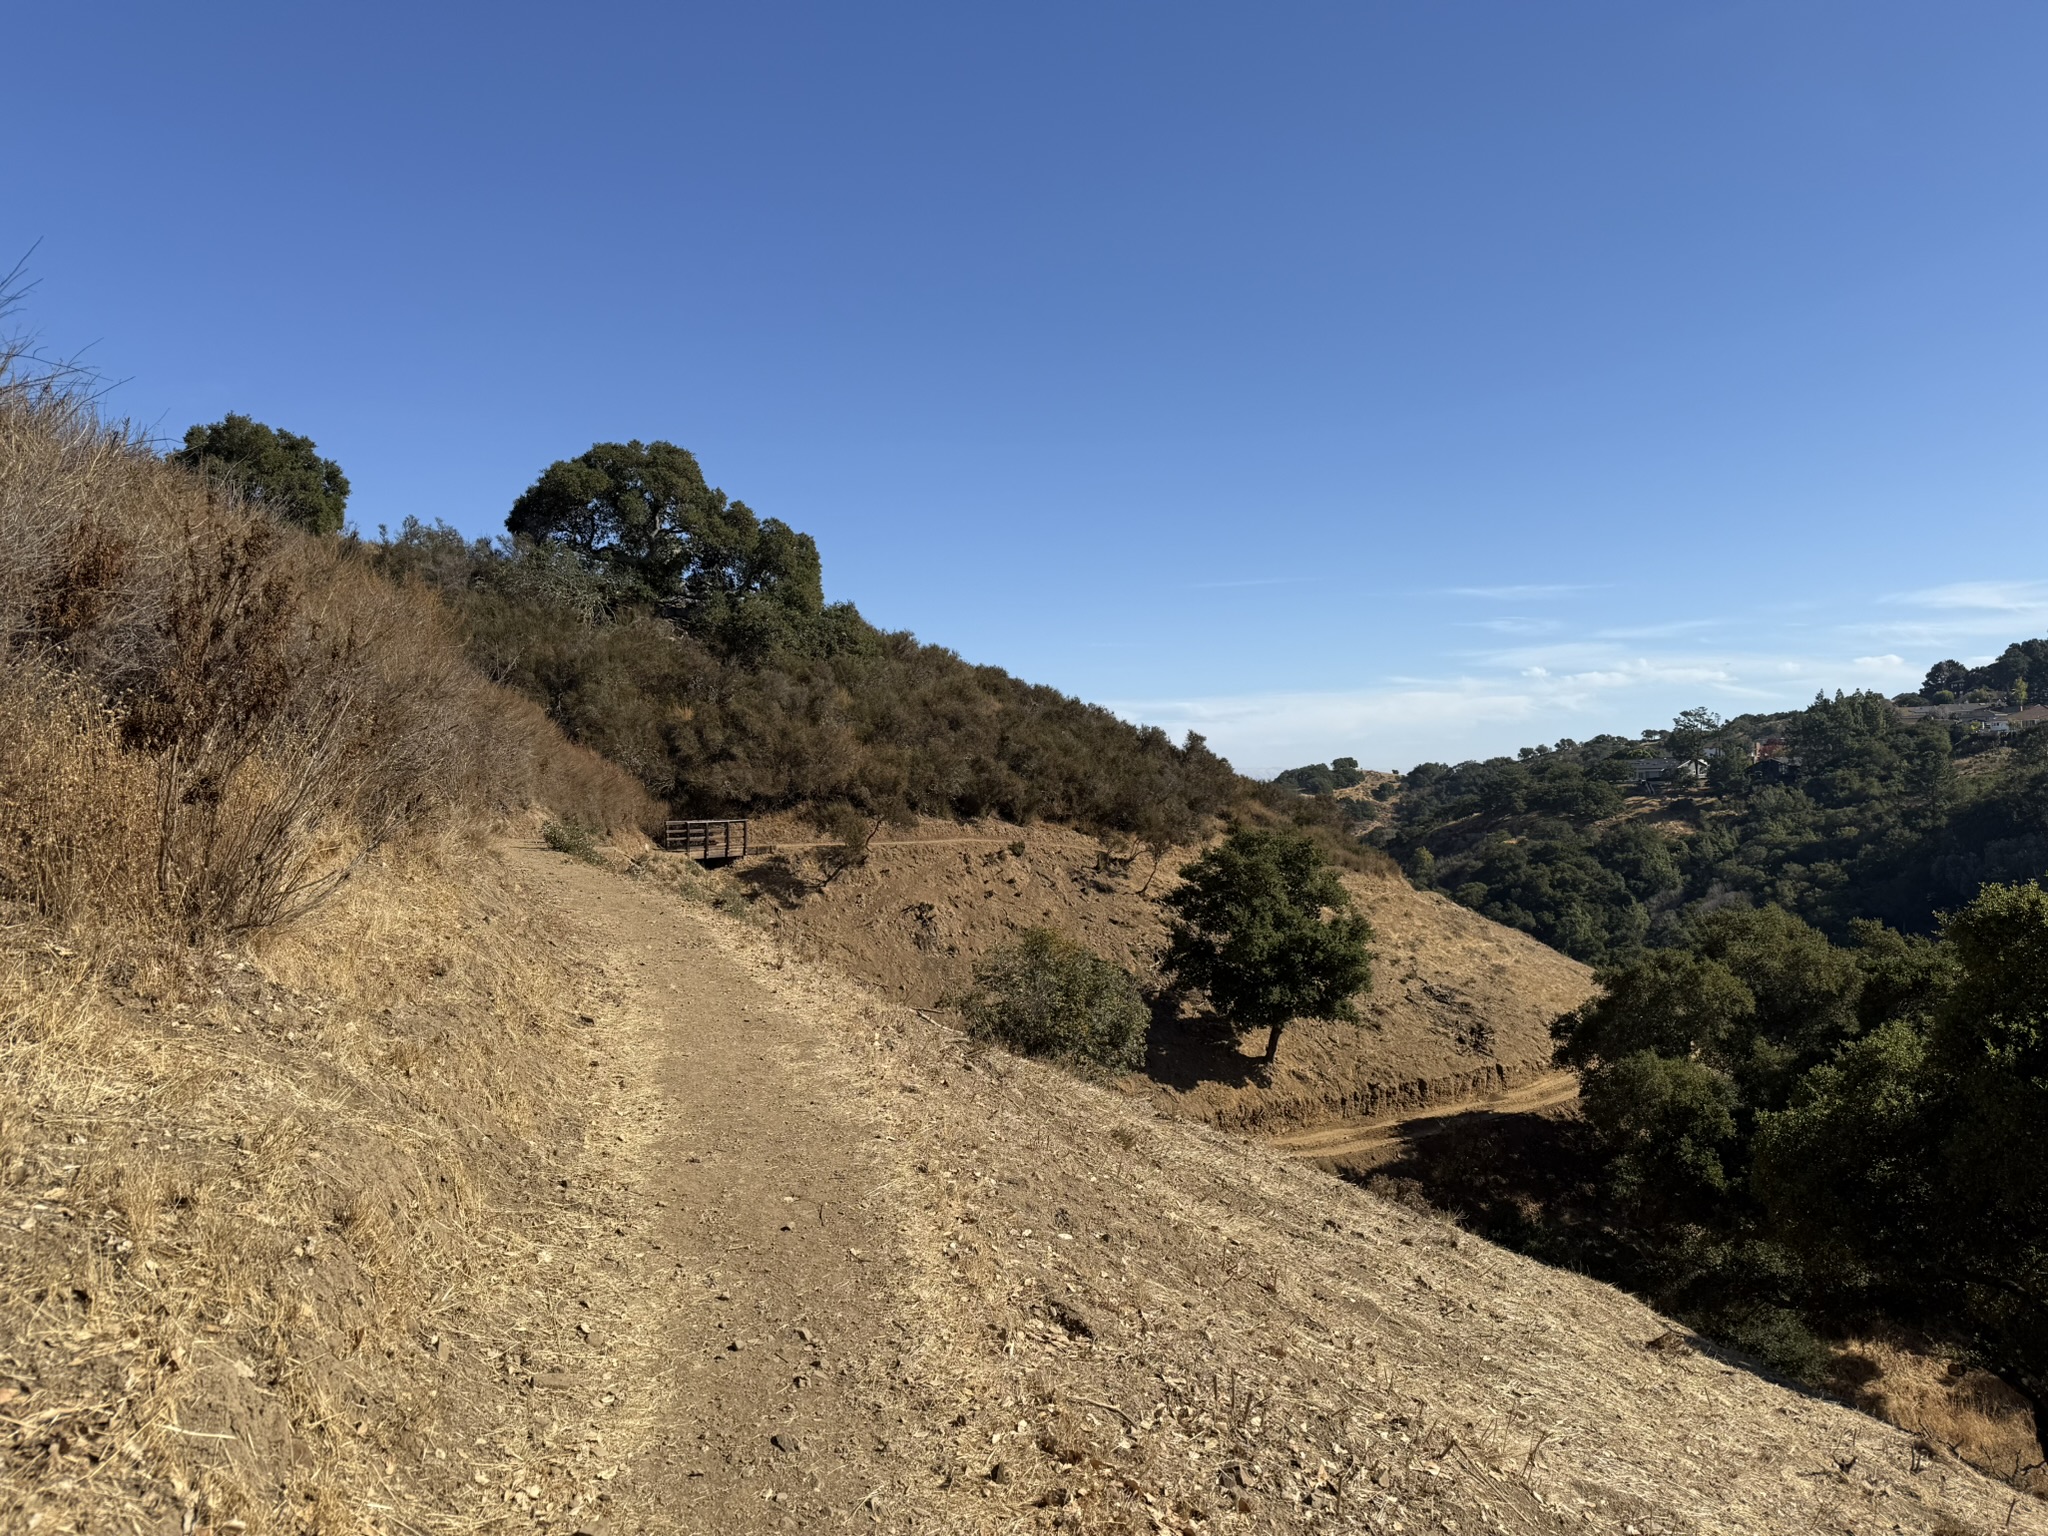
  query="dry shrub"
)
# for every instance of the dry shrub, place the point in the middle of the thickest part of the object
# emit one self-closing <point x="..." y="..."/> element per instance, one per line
<point x="72" y="804"/>
<point x="236" y="713"/>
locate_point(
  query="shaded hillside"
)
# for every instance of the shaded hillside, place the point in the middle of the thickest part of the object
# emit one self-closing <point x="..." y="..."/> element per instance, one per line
<point x="770" y="699"/>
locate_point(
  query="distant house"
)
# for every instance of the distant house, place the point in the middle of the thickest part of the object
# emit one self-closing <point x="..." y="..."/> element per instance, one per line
<point x="1659" y="770"/>
<point x="1990" y="719"/>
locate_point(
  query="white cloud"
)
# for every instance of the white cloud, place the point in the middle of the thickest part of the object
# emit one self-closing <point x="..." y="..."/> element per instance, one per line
<point x="1981" y="596"/>
<point x="1661" y="631"/>
<point x="1547" y="677"/>
<point x="1525" y="590"/>
<point x="1503" y="701"/>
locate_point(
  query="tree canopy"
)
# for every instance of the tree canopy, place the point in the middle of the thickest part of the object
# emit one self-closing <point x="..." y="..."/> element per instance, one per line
<point x="1796" y="1134"/>
<point x="280" y="471"/>
<point x="824" y="714"/>
<point x="644" y="513"/>
<point x="1265" y="928"/>
<point x="1849" y="809"/>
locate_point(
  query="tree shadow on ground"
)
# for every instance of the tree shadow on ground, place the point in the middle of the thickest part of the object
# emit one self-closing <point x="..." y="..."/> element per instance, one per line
<point x="1526" y="1180"/>
<point x="778" y="878"/>
<point x="1186" y="1048"/>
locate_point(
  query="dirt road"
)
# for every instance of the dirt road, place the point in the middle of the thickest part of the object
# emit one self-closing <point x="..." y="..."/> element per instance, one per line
<point x="877" y="1281"/>
<point x="775" y="1304"/>
<point x="1356" y="1143"/>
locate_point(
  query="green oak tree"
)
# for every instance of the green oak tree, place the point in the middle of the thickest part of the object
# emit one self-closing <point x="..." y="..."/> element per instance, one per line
<point x="1265" y="928"/>
<point x="280" y="471"/>
<point x="643" y="512"/>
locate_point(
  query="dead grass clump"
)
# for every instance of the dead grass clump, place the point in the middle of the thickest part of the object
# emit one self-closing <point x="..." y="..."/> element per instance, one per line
<point x="255" y="1268"/>
<point x="73" y="803"/>
<point x="1964" y="1412"/>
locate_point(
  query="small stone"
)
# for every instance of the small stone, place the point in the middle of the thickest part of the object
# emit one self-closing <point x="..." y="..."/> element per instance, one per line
<point x="733" y="1347"/>
<point x="786" y="1443"/>
<point x="999" y="1473"/>
<point x="554" y="1379"/>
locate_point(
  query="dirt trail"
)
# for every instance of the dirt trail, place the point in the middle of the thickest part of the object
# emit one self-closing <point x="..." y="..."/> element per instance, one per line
<point x="972" y="1294"/>
<point x="1354" y="1142"/>
<point x="774" y="1295"/>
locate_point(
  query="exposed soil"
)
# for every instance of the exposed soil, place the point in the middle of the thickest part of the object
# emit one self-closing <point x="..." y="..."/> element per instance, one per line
<point x="972" y="1293"/>
<point x="1460" y="1009"/>
<point x="1355" y="1147"/>
<point x="522" y="1196"/>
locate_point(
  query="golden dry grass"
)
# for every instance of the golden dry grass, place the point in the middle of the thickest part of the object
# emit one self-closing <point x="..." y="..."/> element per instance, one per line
<point x="281" y="1067"/>
<point x="1958" y="1411"/>
<point x="269" y="1215"/>
<point x="207" y="718"/>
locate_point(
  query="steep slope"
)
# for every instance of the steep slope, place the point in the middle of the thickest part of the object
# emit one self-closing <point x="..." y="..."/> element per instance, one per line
<point x="970" y="1293"/>
<point x="520" y="1195"/>
<point x="1461" y="1006"/>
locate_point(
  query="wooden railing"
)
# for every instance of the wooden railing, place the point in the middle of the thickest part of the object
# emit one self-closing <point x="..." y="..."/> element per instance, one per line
<point x="707" y="840"/>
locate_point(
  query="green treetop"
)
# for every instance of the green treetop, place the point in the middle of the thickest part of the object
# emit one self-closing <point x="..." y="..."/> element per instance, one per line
<point x="280" y="471"/>
<point x="644" y="512"/>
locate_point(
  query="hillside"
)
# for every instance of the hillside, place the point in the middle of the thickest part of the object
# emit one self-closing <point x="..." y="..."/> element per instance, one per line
<point x="1461" y="1007"/>
<point x="1856" y="807"/>
<point x="750" y="1247"/>
<point x="368" y="1168"/>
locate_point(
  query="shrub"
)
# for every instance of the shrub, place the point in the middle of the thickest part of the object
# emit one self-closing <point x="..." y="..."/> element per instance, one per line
<point x="576" y="841"/>
<point x="746" y="717"/>
<point x="1048" y="996"/>
<point x="210" y="718"/>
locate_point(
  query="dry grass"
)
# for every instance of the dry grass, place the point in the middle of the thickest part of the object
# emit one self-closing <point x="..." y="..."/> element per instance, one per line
<point x="281" y="1064"/>
<point x="1968" y="1414"/>
<point x="208" y="718"/>
<point x="269" y="1215"/>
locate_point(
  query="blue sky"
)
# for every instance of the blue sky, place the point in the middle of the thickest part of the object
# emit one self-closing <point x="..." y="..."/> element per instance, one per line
<point x="1402" y="380"/>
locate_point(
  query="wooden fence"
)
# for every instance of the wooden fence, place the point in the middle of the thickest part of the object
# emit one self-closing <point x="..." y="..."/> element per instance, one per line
<point x="710" y="841"/>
